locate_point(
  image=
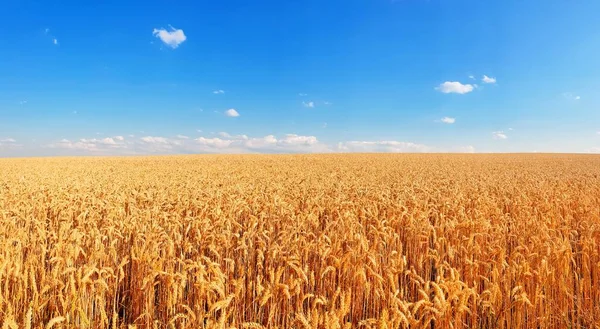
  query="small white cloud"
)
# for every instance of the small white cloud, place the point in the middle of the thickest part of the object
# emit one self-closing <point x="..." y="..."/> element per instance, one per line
<point x="301" y="94"/>
<point x="448" y="120"/>
<point x="455" y="87"/>
<point x="499" y="135"/>
<point x="487" y="79"/>
<point x="55" y="41"/>
<point x="132" y="136"/>
<point x="510" y="129"/>
<point x="199" y="130"/>
<point x="120" y="138"/>
<point x="232" y="113"/>
<point x="8" y="140"/>
<point x="327" y="103"/>
<point x="572" y="96"/>
<point x="472" y="77"/>
<point x="309" y="104"/>
<point x="324" y="125"/>
<point x="172" y="38"/>
<point x="22" y="102"/>
<point x="219" y="91"/>
<point x="182" y="137"/>
<point x="74" y="112"/>
<point x="46" y="30"/>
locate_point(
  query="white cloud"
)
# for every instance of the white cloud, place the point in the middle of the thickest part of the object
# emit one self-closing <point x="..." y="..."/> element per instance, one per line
<point x="571" y="96"/>
<point x="593" y="150"/>
<point x="293" y="139"/>
<point x="309" y="104"/>
<point x="466" y="149"/>
<point x="327" y="103"/>
<point x="383" y="146"/>
<point x="214" y="142"/>
<point x="226" y="135"/>
<point x="472" y="77"/>
<point x="22" y="102"/>
<point x="324" y="125"/>
<point x="74" y="112"/>
<point x="46" y="30"/>
<point x="499" y="135"/>
<point x="448" y="120"/>
<point x="199" y="130"/>
<point x="55" y="41"/>
<point x="301" y="94"/>
<point x="219" y="91"/>
<point x="455" y="87"/>
<point x="8" y="140"/>
<point x="232" y="113"/>
<point x="182" y="137"/>
<point x="268" y="144"/>
<point x="487" y="79"/>
<point x="172" y="38"/>
<point x="510" y="129"/>
<point x="227" y="143"/>
<point x="154" y="140"/>
<point x="132" y="136"/>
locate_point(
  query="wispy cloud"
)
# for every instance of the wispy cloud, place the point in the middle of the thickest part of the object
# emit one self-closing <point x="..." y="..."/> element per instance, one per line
<point x="302" y="94"/>
<point x="487" y="79"/>
<point x="499" y="135"/>
<point x="309" y="104"/>
<point x="224" y="142"/>
<point x="227" y="135"/>
<point x="218" y="92"/>
<point x="9" y="144"/>
<point x="22" y="102"/>
<point x="232" y="113"/>
<point x="448" y="120"/>
<point x="96" y="145"/>
<point x="53" y="38"/>
<point x="455" y="87"/>
<point x="472" y="77"/>
<point x="466" y="149"/>
<point x="571" y="96"/>
<point x="383" y="146"/>
<point x="327" y="103"/>
<point x="324" y="125"/>
<point x="172" y="37"/>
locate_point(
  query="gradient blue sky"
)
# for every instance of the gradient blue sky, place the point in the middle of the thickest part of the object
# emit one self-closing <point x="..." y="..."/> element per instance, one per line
<point x="92" y="77"/>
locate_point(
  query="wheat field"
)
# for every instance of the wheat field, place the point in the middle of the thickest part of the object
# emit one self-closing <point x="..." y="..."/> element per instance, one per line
<point x="301" y="241"/>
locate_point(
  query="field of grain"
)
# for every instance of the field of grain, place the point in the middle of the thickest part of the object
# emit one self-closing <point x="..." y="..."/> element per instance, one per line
<point x="301" y="241"/>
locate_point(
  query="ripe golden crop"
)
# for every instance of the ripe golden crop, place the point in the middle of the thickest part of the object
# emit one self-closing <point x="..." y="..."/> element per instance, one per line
<point x="301" y="241"/>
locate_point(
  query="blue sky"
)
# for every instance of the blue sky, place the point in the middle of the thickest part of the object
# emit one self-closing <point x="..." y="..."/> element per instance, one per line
<point x="133" y="77"/>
